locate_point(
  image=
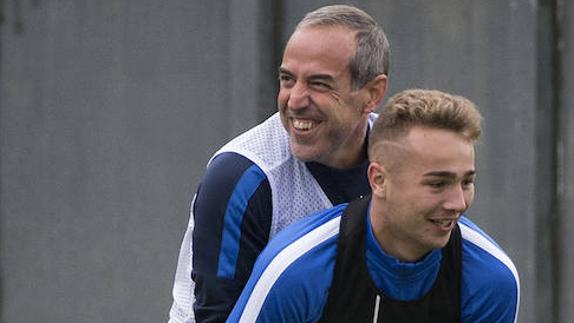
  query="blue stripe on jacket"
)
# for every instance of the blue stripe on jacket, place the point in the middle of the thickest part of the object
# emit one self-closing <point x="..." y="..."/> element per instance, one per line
<point x="247" y="185"/>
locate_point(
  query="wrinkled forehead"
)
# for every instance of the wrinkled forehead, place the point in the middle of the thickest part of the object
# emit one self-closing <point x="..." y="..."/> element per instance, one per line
<point x="331" y="43"/>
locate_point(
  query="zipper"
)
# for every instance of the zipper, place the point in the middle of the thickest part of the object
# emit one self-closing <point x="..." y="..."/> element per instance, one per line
<point x="377" y="305"/>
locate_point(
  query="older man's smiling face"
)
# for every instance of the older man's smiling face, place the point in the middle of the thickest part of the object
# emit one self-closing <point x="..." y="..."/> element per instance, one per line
<point x="319" y="109"/>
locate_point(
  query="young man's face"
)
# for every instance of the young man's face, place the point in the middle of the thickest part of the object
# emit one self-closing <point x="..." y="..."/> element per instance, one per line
<point x="425" y="193"/>
<point x="326" y="120"/>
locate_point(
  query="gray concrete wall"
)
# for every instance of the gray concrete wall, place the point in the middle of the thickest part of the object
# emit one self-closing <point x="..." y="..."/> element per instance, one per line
<point x="109" y="110"/>
<point x="565" y="173"/>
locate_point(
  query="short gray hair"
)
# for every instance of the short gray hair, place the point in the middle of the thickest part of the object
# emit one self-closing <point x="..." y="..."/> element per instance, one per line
<point x="372" y="54"/>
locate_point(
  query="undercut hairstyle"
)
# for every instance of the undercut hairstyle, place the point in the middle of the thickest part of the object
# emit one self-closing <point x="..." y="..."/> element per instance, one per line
<point x="372" y="54"/>
<point x="430" y="108"/>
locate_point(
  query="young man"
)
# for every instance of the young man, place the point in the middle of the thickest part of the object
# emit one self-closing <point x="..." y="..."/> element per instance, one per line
<point x="309" y="156"/>
<point x="407" y="253"/>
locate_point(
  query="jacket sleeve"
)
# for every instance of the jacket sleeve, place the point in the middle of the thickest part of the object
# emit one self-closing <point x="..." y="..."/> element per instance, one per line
<point x="291" y="278"/>
<point x="496" y="302"/>
<point x="491" y="285"/>
<point x="230" y="223"/>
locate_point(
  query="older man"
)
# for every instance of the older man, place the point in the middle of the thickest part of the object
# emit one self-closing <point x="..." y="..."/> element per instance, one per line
<point x="309" y="156"/>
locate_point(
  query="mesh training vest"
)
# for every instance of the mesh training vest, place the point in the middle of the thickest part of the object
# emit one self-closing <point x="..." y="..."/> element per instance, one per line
<point x="295" y="192"/>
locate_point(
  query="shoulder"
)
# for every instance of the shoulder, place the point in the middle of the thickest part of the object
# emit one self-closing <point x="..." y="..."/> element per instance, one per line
<point x="232" y="216"/>
<point x="266" y="144"/>
<point x="490" y="279"/>
<point x="292" y="275"/>
<point x="310" y="227"/>
<point x="230" y="178"/>
<point x="480" y="248"/>
<point x="228" y="164"/>
<point x="229" y="171"/>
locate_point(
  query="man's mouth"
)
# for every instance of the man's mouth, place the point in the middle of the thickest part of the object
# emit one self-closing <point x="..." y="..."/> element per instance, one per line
<point x="444" y="223"/>
<point x="303" y="124"/>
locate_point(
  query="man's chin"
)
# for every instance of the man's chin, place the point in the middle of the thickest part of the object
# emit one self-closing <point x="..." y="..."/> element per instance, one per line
<point x="304" y="153"/>
<point x="441" y="242"/>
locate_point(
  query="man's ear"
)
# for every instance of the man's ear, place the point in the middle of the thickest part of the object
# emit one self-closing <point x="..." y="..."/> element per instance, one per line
<point x="375" y="91"/>
<point x="377" y="179"/>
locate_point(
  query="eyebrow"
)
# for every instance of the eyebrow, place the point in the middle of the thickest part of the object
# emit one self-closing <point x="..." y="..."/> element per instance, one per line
<point x="284" y="70"/>
<point x="447" y="174"/>
<point x="324" y="77"/>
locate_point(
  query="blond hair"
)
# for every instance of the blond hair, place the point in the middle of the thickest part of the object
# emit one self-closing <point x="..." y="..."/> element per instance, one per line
<point x="429" y="108"/>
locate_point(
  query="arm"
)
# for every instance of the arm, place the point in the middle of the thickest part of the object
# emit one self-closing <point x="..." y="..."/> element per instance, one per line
<point x="495" y="301"/>
<point x="291" y="277"/>
<point x="232" y="215"/>
<point x="297" y="294"/>
<point x="491" y="286"/>
<point x="282" y="303"/>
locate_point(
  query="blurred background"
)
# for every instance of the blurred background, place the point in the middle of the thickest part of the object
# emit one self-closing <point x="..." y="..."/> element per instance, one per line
<point x="110" y="109"/>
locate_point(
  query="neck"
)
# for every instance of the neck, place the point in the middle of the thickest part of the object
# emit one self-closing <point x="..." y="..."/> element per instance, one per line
<point x="388" y="239"/>
<point x="352" y="152"/>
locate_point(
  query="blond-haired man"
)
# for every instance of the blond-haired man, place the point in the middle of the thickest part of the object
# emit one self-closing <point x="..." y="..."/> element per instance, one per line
<point x="407" y="253"/>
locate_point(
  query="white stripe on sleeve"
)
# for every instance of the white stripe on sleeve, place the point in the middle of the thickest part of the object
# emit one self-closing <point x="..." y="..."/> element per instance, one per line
<point x="281" y="261"/>
<point x="485" y="244"/>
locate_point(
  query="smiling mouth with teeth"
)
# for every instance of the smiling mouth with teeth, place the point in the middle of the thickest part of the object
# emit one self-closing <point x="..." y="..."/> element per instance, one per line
<point x="446" y="223"/>
<point x="302" y="124"/>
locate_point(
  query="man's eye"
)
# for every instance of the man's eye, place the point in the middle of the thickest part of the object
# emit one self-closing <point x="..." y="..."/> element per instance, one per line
<point x="286" y="81"/>
<point x="468" y="182"/>
<point x="437" y="184"/>
<point x="321" y="86"/>
<point x="284" y="78"/>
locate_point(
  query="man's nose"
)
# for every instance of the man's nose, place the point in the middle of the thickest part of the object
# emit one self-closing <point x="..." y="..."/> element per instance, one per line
<point x="457" y="199"/>
<point x="298" y="97"/>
